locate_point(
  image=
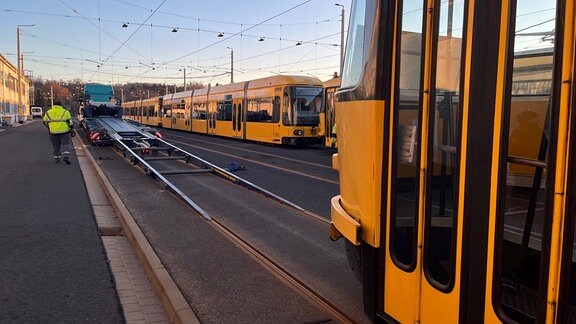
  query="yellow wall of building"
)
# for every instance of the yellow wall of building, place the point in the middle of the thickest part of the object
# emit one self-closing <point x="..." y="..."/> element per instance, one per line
<point x="9" y="92"/>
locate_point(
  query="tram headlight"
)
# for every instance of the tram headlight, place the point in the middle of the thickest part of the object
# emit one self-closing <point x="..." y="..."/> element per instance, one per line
<point x="298" y="132"/>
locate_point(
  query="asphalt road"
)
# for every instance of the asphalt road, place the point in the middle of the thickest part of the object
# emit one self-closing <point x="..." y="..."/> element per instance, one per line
<point x="53" y="266"/>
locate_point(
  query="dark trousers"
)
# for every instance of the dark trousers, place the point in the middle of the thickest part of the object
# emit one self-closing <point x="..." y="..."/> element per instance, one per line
<point x="60" y="144"/>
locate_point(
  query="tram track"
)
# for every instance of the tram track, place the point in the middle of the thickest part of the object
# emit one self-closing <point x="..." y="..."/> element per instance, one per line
<point x="257" y="162"/>
<point x="273" y="266"/>
<point x="204" y="166"/>
<point x="335" y="312"/>
<point x="251" y="151"/>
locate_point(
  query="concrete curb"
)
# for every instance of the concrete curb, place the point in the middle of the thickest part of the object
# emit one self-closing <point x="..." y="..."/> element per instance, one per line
<point x="175" y="305"/>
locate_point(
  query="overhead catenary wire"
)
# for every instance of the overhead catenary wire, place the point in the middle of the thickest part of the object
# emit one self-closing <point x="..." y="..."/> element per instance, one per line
<point x="242" y="31"/>
<point x="170" y="27"/>
<point x="107" y="33"/>
<point x="215" y="21"/>
<point x="128" y="62"/>
<point x="122" y="45"/>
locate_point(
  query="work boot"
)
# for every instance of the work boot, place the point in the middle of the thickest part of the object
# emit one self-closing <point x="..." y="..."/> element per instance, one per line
<point x="66" y="160"/>
<point x="57" y="158"/>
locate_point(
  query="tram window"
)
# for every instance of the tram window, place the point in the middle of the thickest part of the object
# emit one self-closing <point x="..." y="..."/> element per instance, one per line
<point x="522" y="212"/>
<point x="224" y="110"/>
<point x="306" y="105"/>
<point x="360" y="29"/>
<point x="286" y="111"/>
<point x="167" y="111"/>
<point x="407" y="110"/>
<point x="260" y="110"/>
<point x="276" y="110"/>
<point x="199" y="111"/>
<point x="443" y="136"/>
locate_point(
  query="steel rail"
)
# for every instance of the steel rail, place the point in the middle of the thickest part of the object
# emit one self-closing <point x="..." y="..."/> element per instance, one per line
<point x="285" y="275"/>
<point x="236" y="179"/>
<point x="275" y="268"/>
<point x="149" y="169"/>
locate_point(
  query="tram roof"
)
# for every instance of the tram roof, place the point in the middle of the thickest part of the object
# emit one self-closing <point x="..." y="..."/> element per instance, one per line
<point x="278" y="80"/>
<point x="178" y="95"/>
<point x="334" y="82"/>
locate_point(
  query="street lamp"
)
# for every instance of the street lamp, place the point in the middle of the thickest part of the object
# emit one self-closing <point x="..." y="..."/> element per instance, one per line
<point x="231" y="64"/>
<point x="341" y="38"/>
<point x="20" y="72"/>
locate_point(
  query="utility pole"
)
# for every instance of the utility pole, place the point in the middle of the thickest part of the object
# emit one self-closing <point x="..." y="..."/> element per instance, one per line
<point x="19" y="88"/>
<point x="341" y="38"/>
<point x="20" y="72"/>
<point x="184" y="79"/>
<point x="231" y="64"/>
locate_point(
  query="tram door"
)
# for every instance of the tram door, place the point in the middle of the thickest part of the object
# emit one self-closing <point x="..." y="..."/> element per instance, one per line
<point x="139" y="112"/>
<point x="277" y="110"/>
<point x="237" y="117"/>
<point x="531" y="227"/>
<point x="421" y="281"/>
<point x="212" y="107"/>
<point x="527" y="254"/>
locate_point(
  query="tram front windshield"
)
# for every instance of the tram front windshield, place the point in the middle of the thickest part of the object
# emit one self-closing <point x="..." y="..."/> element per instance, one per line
<point x="304" y="107"/>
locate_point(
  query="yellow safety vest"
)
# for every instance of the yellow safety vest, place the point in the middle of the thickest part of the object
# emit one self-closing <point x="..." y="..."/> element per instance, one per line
<point x="58" y="119"/>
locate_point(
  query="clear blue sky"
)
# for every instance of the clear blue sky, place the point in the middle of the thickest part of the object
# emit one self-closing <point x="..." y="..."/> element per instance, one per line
<point x="72" y="37"/>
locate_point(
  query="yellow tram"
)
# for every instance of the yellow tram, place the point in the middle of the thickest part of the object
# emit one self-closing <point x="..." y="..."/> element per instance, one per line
<point x="328" y="114"/>
<point x="145" y="111"/>
<point x="279" y="109"/>
<point x="456" y="156"/>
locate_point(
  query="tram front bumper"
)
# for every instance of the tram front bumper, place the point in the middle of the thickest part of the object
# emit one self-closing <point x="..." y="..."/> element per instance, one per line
<point x="343" y="224"/>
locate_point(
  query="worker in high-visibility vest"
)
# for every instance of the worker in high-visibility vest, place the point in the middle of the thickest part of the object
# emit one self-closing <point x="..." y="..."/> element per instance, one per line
<point x="59" y="122"/>
<point x="334" y="142"/>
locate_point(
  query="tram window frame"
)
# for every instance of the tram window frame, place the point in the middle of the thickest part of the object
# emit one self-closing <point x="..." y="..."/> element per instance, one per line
<point x="224" y="110"/>
<point x="286" y="108"/>
<point x="443" y="110"/>
<point x="406" y="262"/>
<point x="354" y="63"/>
<point x="167" y="111"/>
<point x="258" y="112"/>
<point x="276" y="109"/>
<point x="567" y="293"/>
<point x="199" y="110"/>
<point x="527" y="258"/>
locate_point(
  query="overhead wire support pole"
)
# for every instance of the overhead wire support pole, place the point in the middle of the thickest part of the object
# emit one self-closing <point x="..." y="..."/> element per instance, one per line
<point x="20" y="70"/>
<point x="341" y="38"/>
<point x="231" y="64"/>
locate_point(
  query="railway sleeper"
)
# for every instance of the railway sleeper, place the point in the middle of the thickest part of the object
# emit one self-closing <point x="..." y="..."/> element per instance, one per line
<point x="175" y="172"/>
<point x="152" y="148"/>
<point x="160" y="158"/>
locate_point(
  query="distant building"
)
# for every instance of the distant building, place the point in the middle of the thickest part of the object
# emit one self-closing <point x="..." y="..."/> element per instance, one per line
<point x="9" y="92"/>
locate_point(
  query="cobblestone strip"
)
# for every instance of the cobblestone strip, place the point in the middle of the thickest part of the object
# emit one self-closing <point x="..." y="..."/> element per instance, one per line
<point x="136" y="293"/>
